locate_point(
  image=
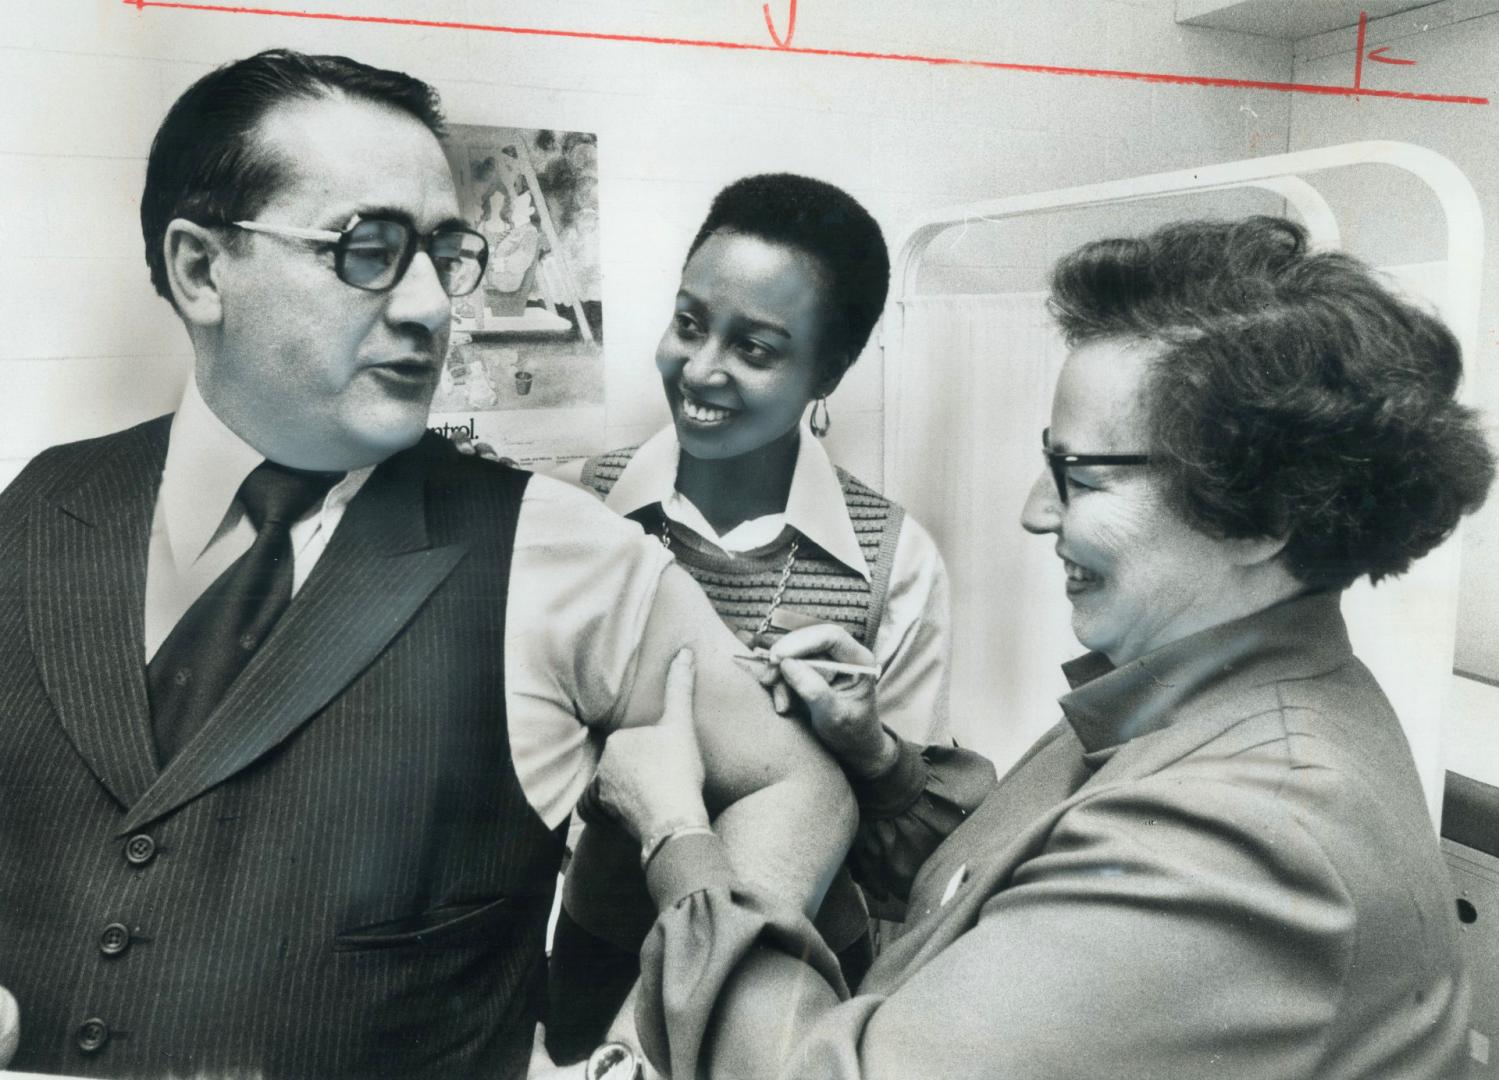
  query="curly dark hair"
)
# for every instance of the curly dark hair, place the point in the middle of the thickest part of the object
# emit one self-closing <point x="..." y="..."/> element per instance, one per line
<point x="831" y="226"/>
<point x="207" y="165"/>
<point x="1294" y="394"/>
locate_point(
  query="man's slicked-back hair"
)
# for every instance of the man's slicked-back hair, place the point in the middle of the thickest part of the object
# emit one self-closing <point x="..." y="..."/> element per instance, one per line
<point x="830" y="225"/>
<point x="1294" y="394"/>
<point x="207" y="165"/>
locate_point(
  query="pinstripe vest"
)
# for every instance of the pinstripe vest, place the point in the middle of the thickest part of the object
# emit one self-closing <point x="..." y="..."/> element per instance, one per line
<point x="741" y="587"/>
<point x="339" y="875"/>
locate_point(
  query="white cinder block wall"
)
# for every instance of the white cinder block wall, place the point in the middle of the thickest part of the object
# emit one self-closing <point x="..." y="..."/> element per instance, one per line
<point x="89" y="347"/>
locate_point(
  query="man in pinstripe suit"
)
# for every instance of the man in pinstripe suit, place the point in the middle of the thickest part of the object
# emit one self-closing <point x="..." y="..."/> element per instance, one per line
<point x="343" y="865"/>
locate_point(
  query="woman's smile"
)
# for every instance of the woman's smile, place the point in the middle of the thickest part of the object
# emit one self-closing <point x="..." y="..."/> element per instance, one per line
<point x="702" y="413"/>
<point x="1079" y="578"/>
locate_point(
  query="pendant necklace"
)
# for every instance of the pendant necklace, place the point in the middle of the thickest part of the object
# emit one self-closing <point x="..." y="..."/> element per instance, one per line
<point x="775" y="600"/>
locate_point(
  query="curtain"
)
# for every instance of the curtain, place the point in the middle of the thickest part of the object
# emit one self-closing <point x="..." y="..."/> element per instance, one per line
<point x="967" y="394"/>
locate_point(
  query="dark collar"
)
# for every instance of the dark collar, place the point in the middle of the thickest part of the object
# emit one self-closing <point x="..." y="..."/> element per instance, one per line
<point x="1295" y="639"/>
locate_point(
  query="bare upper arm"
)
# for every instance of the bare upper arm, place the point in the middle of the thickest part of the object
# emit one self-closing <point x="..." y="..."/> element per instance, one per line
<point x="746" y="746"/>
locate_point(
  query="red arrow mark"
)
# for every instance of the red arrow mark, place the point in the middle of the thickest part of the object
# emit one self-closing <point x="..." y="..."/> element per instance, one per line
<point x="790" y="26"/>
<point x="1378" y="54"/>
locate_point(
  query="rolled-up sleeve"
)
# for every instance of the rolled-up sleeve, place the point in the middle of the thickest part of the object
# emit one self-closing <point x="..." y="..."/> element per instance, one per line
<point x="582" y="585"/>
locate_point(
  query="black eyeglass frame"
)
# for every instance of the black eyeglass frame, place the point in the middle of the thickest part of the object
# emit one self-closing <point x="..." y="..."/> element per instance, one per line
<point x="414" y="240"/>
<point x="1059" y="462"/>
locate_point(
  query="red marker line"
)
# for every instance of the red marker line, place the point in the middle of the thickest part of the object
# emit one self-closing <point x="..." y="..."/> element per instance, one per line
<point x="848" y="54"/>
<point x="771" y="26"/>
<point x="1358" y="53"/>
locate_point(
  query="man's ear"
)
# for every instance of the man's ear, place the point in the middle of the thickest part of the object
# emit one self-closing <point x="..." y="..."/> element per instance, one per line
<point x="192" y="253"/>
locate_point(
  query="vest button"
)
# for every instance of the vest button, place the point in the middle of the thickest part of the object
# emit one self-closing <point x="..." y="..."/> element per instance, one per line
<point x="115" y="939"/>
<point x="140" y="849"/>
<point x="92" y="1035"/>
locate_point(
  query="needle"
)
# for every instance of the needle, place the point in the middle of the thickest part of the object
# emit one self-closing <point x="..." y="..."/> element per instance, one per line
<point x="826" y="667"/>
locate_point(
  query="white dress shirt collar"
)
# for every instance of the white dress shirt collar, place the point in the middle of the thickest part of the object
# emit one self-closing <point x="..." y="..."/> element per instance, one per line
<point x="205" y="465"/>
<point x="814" y="505"/>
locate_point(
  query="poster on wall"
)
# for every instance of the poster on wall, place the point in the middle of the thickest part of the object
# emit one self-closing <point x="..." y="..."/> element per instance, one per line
<point x="524" y="374"/>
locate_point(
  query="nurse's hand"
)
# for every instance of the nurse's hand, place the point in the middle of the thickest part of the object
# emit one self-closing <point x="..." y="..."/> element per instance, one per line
<point x="650" y="778"/>
<point x="842" y="709"/>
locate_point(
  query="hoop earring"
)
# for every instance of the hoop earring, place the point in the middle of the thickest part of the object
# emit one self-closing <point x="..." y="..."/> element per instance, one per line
<point x="820" y="427"/>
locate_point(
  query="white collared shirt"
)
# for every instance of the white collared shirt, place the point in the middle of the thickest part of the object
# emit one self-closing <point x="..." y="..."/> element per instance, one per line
<point x="199" y="528"/>
<point x="912" y="644"/>
<point x="582" y="582"/>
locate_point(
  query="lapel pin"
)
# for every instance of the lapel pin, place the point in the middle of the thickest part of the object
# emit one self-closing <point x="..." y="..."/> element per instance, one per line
<point x="959" y="876"/>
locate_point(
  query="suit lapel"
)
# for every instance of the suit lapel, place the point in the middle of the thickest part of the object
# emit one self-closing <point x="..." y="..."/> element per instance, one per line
<point x="85" y="603"/>
<point x="378" y="570"/>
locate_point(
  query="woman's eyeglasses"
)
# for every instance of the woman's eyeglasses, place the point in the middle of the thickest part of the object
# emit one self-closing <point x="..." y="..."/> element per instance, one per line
<point x="1059" y="463"/>
<point x="373" y="253"/>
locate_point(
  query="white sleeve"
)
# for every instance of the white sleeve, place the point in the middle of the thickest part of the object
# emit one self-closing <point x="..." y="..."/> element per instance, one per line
<point x="912" y="646"/>
<point x="582" y="583"/>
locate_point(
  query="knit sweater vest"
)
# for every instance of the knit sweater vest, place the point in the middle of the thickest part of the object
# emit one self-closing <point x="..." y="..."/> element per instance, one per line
<point x="742" y="587"/>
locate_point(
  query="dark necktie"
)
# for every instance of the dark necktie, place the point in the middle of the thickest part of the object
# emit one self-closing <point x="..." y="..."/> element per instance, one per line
<point x="215" y="639"/>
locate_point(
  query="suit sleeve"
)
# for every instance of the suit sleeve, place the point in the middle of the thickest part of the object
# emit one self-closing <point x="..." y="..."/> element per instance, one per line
<point x="1175" y="927"/>
<point x="909" y="810"/>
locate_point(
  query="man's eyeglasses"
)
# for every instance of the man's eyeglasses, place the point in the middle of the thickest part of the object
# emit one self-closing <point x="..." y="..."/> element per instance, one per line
<point x="373" y="253"/>
<point x="1059" y="463"/>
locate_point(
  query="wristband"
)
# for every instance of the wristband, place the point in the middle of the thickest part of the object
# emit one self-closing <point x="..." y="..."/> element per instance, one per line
<point x="657" y="840"/>
<point x="613" y="1061"/>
